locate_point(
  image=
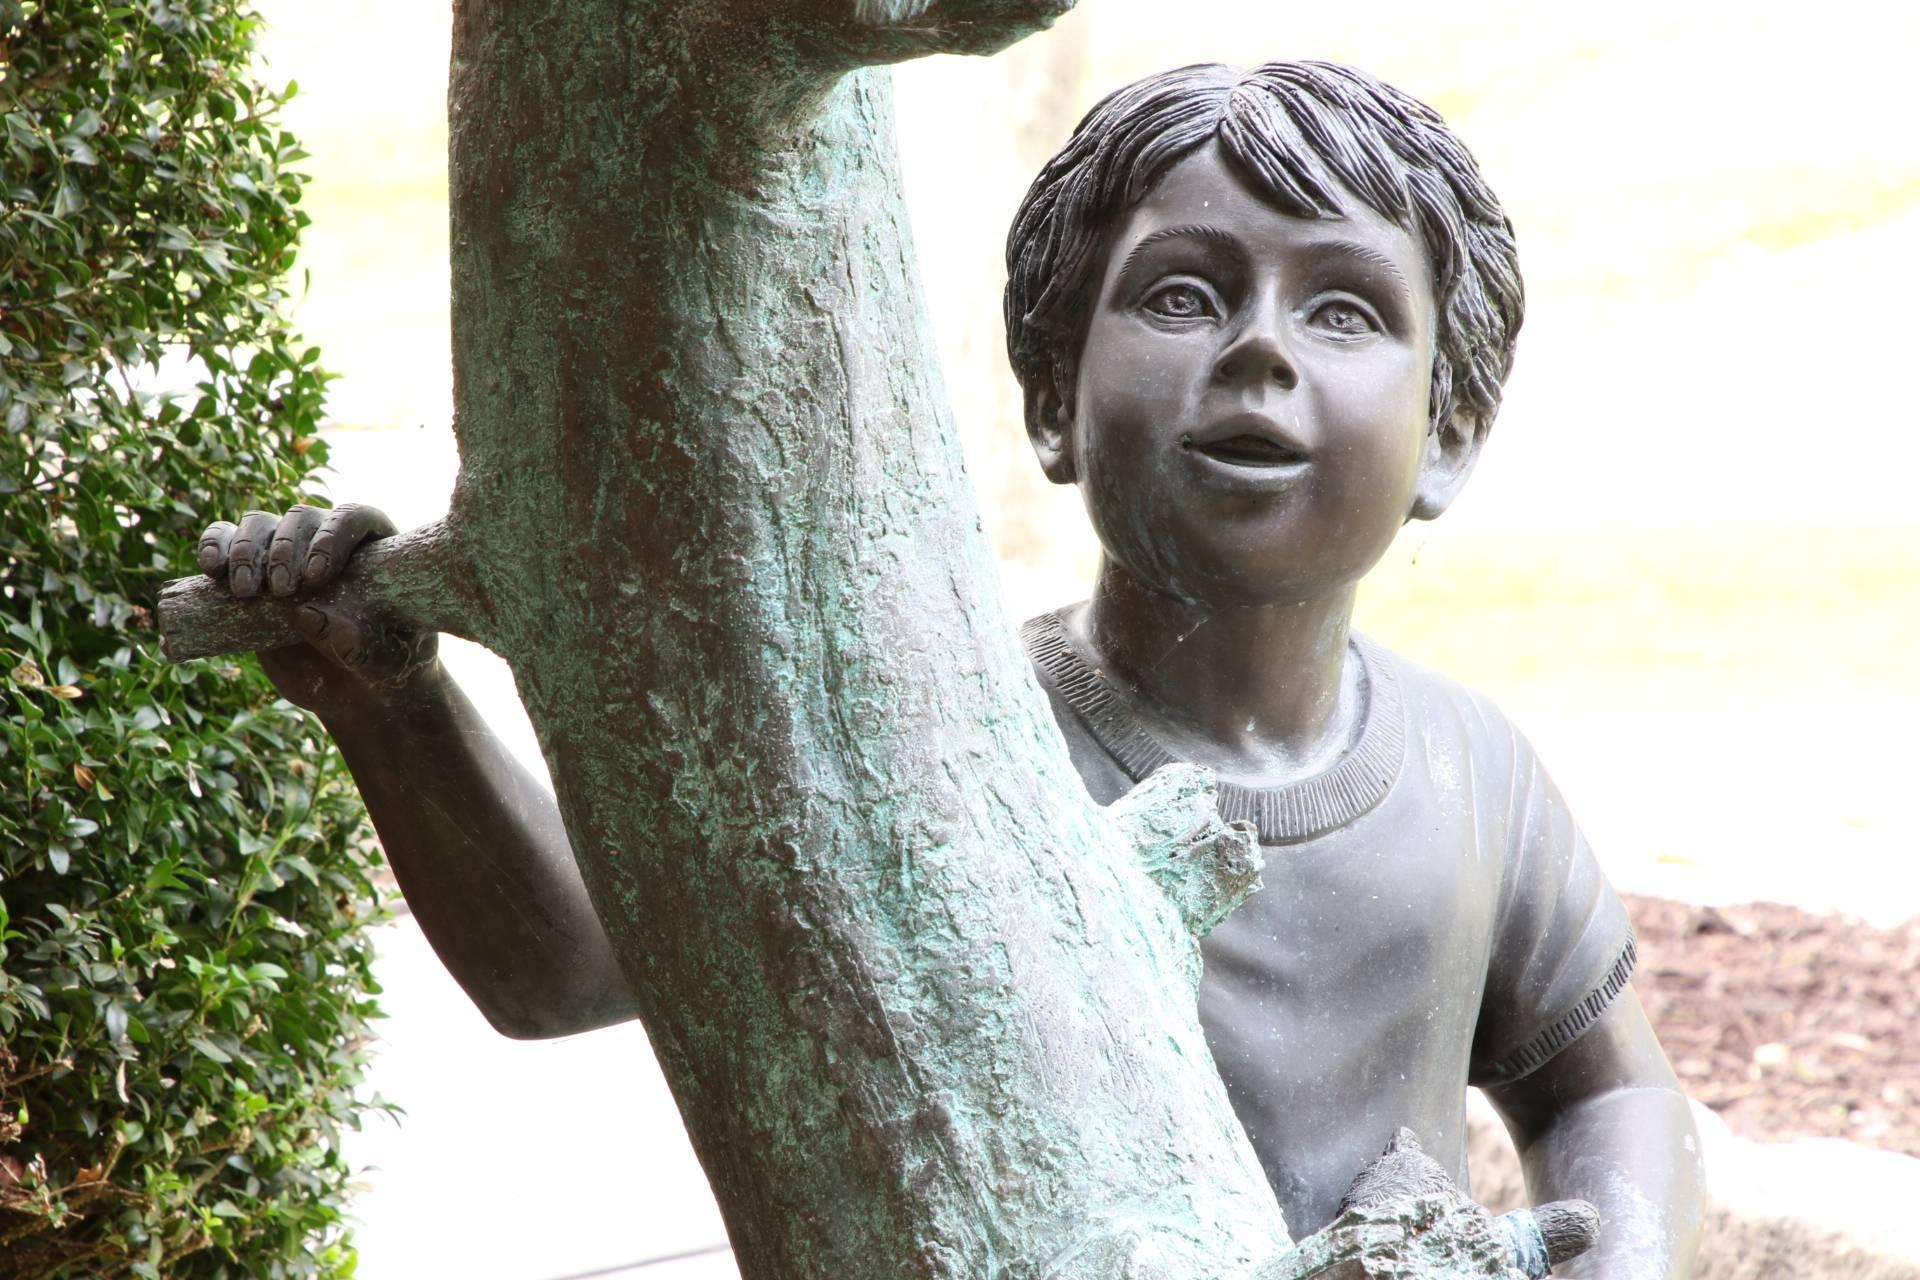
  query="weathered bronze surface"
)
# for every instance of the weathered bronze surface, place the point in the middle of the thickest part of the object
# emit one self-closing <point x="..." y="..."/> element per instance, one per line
<point x="926" y="1007"/>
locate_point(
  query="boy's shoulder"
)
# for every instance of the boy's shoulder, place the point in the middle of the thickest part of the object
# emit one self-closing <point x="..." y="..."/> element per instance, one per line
<point x="1463" y="743"/>
<point x="1436" y="702"/>
<point x="1456" y="729"/>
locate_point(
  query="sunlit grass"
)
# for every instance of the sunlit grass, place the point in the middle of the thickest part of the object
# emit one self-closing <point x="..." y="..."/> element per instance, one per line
<point x="1595" y="620"/>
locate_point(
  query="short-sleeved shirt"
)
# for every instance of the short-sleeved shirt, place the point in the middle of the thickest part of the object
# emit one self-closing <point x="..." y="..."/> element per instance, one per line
<point x="1430" y="918"/>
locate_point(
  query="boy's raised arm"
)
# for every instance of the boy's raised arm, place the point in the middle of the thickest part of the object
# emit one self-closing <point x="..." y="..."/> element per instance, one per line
<point x="474" y="839"/>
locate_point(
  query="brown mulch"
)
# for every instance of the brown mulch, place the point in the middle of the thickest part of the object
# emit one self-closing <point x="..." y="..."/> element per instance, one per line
<point x="1789" y="1025"/>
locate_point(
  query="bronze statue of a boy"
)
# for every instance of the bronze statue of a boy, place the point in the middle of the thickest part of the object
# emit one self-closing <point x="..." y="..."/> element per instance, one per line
<point x="1261" y="319"/>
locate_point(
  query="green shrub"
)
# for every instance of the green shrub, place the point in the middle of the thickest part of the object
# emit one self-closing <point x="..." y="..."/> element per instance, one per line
<point x="184" y="869"/>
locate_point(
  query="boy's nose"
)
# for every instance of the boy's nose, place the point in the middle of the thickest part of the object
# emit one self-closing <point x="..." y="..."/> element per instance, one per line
<point x="1257" y="354"/>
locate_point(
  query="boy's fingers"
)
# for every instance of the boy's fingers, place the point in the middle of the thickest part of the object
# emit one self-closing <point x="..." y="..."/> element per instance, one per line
<point x="905" y="28"/>
<point x="288" y="551"/>
<point x="213" y="549"/>
<point x="340" y="533"/>
<point x="247" y="553"/>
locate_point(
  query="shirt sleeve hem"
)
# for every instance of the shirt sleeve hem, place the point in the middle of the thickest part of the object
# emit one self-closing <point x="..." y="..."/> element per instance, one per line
<point x="1536" y="1053"/>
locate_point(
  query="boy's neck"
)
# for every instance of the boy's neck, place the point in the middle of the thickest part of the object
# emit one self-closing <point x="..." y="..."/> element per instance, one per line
<point x="1264" y="695"/>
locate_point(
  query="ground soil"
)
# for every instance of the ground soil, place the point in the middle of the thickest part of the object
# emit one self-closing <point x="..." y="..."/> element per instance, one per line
<point x="1789" y="1025"/>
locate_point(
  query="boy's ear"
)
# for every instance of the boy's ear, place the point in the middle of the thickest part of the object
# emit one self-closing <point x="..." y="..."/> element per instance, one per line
<point x="1452" y="449"/>
<point x="1050" y="430"/>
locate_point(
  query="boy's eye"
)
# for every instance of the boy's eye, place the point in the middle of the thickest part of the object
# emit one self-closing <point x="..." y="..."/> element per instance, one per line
<point x="1179" y="302"/>
<point x="1345" y="319"/>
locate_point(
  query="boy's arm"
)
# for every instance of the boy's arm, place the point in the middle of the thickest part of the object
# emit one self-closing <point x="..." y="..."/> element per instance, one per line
<point x="474" y="840"/>
<point x="483" y="859"/>
<point x="1605" y="1120"/>
<point x="1591" y="1103"/>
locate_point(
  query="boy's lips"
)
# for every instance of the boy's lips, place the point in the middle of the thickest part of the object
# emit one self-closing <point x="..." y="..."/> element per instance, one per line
<point x="1247" y="440"/>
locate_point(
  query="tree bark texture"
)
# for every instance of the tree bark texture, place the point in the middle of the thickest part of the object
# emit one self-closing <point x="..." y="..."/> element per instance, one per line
<point x="921" y="1009"/>
<point x="926" y="1009"/>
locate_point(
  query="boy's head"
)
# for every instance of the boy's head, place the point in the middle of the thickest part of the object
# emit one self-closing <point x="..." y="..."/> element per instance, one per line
<point x="1307" y="145"/>
<point x="1287" y="128"/>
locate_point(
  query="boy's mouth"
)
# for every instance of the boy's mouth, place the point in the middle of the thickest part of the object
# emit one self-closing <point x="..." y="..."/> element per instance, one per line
<point x="1246" y="444"/>
<point x="1249" y="451"/>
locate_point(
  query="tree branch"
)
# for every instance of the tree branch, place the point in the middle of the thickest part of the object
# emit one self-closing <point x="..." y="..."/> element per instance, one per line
<point x="421" y="578"/>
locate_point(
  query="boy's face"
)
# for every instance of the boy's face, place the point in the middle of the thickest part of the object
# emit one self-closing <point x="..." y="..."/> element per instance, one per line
<point x="1250" y="417"/>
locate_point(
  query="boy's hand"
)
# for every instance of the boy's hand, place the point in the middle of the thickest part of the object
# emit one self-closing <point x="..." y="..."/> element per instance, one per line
<point x="880" y="31"/>
<point x="351" y="662"/>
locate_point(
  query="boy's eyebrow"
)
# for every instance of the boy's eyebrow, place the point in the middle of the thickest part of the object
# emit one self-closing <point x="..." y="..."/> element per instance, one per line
<point x="1347" y="249"/>
<point x="1185" y="231"/>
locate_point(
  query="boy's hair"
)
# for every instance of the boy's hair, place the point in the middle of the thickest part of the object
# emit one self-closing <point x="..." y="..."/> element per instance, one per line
<point x="1296" y="132"/>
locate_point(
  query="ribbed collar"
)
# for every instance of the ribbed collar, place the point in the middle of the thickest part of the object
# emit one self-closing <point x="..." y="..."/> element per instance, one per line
<point x="1282" y="815"/>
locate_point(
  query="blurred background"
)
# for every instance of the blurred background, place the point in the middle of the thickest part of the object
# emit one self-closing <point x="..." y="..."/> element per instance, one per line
<point x="1689" y="563"/>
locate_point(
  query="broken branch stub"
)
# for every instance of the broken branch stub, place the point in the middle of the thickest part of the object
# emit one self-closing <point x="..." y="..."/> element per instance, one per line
<point x="1207" y="866"/>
